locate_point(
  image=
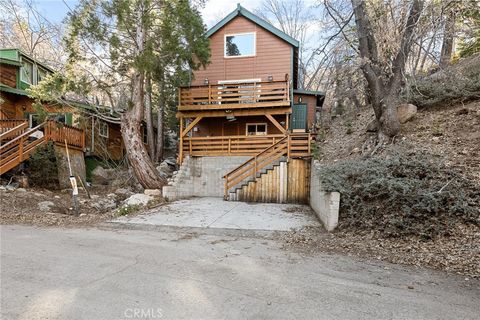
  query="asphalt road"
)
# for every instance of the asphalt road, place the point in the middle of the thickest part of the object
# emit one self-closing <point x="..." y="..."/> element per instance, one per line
<point x="92" y="274"/>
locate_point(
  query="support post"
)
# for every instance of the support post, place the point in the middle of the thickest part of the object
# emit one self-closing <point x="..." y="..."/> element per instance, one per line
<point x="180" y="147"/>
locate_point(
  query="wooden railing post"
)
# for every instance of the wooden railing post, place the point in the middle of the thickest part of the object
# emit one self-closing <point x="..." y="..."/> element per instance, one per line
<point x="288" y="147"/>
<point x="20" y="149"/>
<point x="229" y="145"/>
<point x="309" y="141"/>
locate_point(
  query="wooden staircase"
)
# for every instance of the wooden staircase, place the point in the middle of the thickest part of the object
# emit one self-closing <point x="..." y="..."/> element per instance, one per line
<point x="18" y="142"/>
<point x="257" y="169"/>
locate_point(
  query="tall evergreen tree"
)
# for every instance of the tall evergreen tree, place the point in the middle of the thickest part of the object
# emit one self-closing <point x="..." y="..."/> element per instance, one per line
<point x="129" y="42"/>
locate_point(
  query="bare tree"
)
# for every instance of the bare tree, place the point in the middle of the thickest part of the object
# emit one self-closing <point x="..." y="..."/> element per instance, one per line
<point x="24" y="27"/>
<point x="384" y="77"/>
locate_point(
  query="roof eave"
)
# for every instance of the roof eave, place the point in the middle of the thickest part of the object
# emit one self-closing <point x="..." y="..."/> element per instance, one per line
<point x="240" y="11"/>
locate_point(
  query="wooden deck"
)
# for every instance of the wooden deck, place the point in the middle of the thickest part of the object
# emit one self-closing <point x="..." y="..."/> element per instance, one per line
<point x="18" y="142"/>
<point x="234" y="96"/>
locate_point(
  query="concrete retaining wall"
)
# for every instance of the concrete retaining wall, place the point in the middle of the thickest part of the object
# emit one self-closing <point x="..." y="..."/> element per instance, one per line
<point x="77" y="161"/>
<point x="201" y="177"/>
<point x="325" y="204"/>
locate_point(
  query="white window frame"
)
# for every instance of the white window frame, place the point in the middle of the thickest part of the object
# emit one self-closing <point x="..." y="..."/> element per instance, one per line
<point x="29" y="81"/>
<point x="39" y="70"/>
<point x="256" y="124"/>
<point x="239" y="34"/>
<point x="100" y="123"/>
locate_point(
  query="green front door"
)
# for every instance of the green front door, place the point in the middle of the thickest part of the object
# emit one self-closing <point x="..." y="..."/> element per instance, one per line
<point x="299" y="117"/>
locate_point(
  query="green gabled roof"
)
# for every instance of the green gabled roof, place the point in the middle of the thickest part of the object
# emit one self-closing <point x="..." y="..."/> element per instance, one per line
<point x="309" y="92"/>
<point x="241" y="11"/>
<point x="8" y="89"/>
<point x="12" y="56"/>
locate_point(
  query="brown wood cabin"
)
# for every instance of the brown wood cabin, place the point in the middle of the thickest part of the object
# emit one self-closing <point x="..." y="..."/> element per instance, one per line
<point x="247" y="102"/>
<point x="20" y="128"/>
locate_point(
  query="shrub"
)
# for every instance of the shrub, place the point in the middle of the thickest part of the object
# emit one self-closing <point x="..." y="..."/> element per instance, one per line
<point x="402" y="194"/>
<point x="457" y="83"/>
<point x="42" y="167"/>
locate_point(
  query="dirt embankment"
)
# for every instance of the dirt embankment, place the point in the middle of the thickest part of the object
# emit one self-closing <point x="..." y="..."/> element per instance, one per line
<point x="452" y="134"/>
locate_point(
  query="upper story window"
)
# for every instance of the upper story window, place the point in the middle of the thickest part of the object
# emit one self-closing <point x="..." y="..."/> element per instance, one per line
<point x="240" y="45"/>
<point x="26" y="72"/>
<point x="41" y="74"/>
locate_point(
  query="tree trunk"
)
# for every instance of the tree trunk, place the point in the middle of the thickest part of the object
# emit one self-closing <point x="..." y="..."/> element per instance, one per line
<point x="137" y="154"/>
<point x="383" y="89"/>
<point x="448" y="36"/>
<point x="148" y="118"/>
<point x="160" y="130"/>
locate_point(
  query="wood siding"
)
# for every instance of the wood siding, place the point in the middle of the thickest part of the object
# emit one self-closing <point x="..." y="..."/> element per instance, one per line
<point x="18" y="107"/>
<point x="311" y="102"/>
<point x="8" y="75"/>
<point x="105" y="148"/>
<point x="220" y="126"/>
<point x="273" y="56"/>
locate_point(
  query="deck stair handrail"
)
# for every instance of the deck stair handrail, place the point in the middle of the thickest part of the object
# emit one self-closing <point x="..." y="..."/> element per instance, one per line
<point x="12" y="127"/>
<point x="291" y="146"/>
<point x="252" y="166"/>
<point x="15" y="151"/>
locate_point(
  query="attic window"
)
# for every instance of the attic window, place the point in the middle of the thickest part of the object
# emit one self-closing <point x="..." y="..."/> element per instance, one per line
<point x="240" y="45"/>
<point x="26" y="73"/>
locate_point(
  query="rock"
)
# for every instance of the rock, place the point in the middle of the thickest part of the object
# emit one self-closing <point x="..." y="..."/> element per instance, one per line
<point x="356" y="150"/>
<point x="57" y="197"/>
<point x="406" y="112"/>
<point x="111" y="195"/>
<point x="372" y="126"/>
<point x="138" y="199"/>
<point x="12" y="186"/>
<point x="21" y="190"/>
<point x="123" y="192"/>
<point x="153" y="192"/>
<point x="100" y="176"/>
<point x="3" y="188"/>
<point x="104" y="204"/>
<point x="45" y="206"/>
<point x="171" y="161"/>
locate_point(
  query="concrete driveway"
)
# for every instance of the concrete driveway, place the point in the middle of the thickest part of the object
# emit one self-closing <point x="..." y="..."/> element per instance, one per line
<point x="71" y="274"/>
<point x="215" y="213"/>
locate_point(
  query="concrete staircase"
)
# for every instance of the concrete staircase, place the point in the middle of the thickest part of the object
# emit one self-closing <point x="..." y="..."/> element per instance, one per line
<point x="180" y="185"/>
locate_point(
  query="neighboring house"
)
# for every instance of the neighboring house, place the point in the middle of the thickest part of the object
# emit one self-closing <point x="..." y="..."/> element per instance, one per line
<point x="246" y="108"/>
<point x="18" y="71"/>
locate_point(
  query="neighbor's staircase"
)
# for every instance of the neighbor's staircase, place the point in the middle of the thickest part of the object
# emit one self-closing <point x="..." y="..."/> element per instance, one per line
<point x="261" y="178"/>
<point x="18" y="142"/>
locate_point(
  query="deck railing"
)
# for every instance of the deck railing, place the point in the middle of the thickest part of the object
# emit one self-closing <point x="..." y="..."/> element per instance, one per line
<point x="298" y="145"/>
<point x="9" y="128"/>
<point x="234" y="96"/>
<point x="228" y="145"/>
<point x="59" y="133"/>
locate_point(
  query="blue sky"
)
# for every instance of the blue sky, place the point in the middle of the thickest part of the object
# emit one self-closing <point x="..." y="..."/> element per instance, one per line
<point x="54" y="10"/>
<point x="214" y="10"/>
